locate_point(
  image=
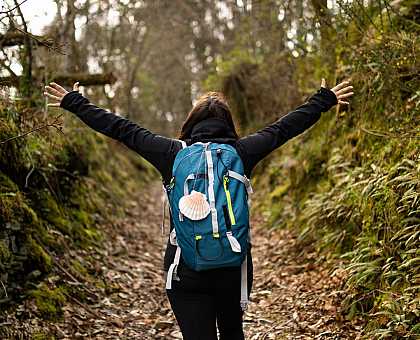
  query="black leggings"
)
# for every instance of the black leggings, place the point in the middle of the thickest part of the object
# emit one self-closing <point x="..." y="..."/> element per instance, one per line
<point x="202" y="299"/>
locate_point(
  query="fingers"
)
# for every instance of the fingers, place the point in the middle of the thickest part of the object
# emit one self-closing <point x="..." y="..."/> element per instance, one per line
<point x="53" y="91"/>
<point x="345" y="95"/>
<point x="59" y="88"/>
<point x="53" y="97"/>
<point x="340" y="86"/>
<point x="343" y="102"/>
<point x="343" y="90"/>
<point x="323" y="83"/>
<point x="57" y="93"/>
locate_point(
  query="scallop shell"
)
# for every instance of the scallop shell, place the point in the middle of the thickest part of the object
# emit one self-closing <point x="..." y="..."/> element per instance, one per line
<point x="194" y="206"/>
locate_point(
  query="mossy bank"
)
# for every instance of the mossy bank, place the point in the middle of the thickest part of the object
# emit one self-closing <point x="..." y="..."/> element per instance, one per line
<point x="57" y="188"/>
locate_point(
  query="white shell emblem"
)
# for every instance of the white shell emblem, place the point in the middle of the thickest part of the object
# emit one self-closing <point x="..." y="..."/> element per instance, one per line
<point x="194" y="206"/>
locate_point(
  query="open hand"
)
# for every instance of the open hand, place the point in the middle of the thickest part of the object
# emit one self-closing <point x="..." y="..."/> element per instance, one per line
<point x="341" y="91"/>
<point x="57" y="93"/>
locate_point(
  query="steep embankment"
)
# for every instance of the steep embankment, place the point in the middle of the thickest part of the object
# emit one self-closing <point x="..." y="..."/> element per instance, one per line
<point x="56" y="188"/>
<point x="351" y="186"/>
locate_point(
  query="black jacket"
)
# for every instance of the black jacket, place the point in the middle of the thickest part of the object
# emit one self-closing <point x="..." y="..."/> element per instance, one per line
<point x="161" y="151"/>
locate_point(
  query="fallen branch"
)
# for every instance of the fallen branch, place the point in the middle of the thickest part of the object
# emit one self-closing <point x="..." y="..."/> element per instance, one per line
<point x="17" y="37"/>
<point x="84" y="79"/>
<point x="4" y="288"/>
<point x="88" y="309"/>
<point x="53" y="124"/>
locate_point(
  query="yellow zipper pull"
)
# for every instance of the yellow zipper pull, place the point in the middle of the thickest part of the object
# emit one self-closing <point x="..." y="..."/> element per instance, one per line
<point x="229" y="200"/>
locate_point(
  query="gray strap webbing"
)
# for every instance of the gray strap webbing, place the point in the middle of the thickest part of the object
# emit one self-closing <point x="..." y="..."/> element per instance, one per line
<point x="244" y="284"/>
<point x="243" y="179"/>
<point x="172" y="272"/>
<point x="212" y="201"/>
<point x="165" y="201"/>
<point x="189" y="177"/>
<point x="244" y="266"/>
<point x="186" y="192"/>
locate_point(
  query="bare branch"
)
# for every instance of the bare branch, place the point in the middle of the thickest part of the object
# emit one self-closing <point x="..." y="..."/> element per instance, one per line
<point x="387" y="135"/>
<point x="54" y="124"/>
<point x="4" y="288"/>
<point x="12" y="9"/>
<point x="7" y="67"/>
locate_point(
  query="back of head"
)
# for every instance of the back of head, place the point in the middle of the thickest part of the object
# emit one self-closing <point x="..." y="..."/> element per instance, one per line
<point x="209" y="105"/>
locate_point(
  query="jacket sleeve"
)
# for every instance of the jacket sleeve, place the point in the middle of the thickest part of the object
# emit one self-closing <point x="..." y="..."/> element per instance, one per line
<point x="156" y="149"/>
<point x="258" y="145"/>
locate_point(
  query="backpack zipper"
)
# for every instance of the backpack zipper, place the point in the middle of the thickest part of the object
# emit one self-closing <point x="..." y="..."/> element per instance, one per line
<point x="229" y="200"/>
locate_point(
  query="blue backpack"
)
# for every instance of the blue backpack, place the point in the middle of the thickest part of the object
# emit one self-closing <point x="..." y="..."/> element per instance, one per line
<point x="208" y="199"/>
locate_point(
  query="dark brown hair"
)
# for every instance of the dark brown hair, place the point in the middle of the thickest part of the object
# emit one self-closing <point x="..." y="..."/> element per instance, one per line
<point x="209" y="105"/>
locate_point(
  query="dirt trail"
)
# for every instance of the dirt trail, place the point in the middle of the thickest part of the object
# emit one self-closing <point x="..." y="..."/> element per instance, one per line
<point x="293" y="297"/>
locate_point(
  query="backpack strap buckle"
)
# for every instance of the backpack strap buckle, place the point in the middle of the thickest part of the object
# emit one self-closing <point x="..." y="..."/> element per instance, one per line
<point x="172" y="272"/>
<point x="243" y="179"/>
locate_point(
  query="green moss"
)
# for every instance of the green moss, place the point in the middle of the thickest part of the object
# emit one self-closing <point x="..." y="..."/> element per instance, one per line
<point x="4" y="252"/>
<point x="280" y="191"/>
<point x="82" y="217"/>
<point x="7" y="205"/>
<point x="6" y="184"/>
<point x="39" y="256"/>
<point x="49" y="302"/>
<point x="78" y="267"/>
<point x="27" y="215"/>
<point x="51" y="212"/>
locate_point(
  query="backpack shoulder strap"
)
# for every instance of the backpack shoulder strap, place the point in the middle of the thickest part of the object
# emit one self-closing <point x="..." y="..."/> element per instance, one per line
<point x="184" y="145"/>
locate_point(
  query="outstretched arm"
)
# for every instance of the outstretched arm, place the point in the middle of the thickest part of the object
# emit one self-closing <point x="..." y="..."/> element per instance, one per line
<point x="156" y="149"/>
<point x="258" y="145"/>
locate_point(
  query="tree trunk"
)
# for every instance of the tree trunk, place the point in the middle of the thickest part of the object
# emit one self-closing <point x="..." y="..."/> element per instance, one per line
<point x="327" y="36"/>
<point x="72" y="57"/>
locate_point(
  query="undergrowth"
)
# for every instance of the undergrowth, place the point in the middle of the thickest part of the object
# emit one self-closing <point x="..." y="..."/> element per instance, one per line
<point x="352" y="186"/>
<point x="56" y="190"/>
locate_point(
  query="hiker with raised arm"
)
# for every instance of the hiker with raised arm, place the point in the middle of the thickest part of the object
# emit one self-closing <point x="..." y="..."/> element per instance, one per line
<point x="206" y="174"/>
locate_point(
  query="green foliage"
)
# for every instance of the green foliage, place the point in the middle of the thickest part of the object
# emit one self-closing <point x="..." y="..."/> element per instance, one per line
<point x="54" y="189"/>
<point x="351" y="185"/>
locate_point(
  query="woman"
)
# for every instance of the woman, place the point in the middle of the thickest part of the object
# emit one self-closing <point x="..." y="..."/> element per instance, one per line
<point x="202" y="299"/>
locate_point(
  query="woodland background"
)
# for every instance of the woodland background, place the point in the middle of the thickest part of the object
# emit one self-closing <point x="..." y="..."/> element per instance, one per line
<point x="350" y="186"/>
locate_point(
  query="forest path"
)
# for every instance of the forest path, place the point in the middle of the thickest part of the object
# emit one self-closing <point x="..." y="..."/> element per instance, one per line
<point x="293" y="297"/>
